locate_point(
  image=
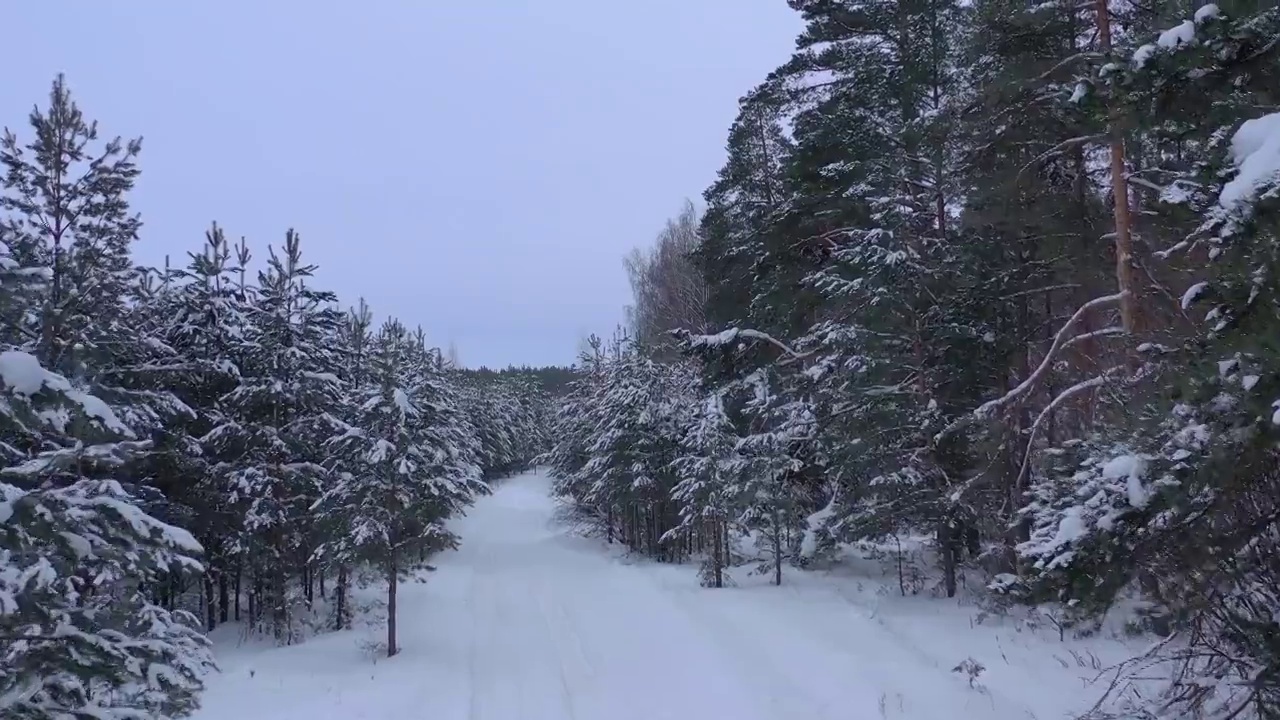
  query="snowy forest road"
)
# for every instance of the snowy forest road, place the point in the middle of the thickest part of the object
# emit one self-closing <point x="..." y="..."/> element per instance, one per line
<point x="528" y="622"/>
<point x="559" y="629"/>
<point x="565" y="632"/>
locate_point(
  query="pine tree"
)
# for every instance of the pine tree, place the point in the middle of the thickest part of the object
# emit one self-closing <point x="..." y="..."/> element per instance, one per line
<point x="69" y="219"/>
<point x="572" y="427"/>
<point x="778" y="449"/>
<point x="740" y="207"/>
<point x="204" y="322"/>
<point x="78" y="631"/>
<point x="446" y="431"/>
<point x="615" y="460"/>
<point x="709" y="492"/>
<point x="82" y="563"/>
<point x="277" y="420"/>
<point x="412" y="475"/>
<point x="1180" y="501"/>
<point x="507" y="415"/>
<point x="355" y="342"/>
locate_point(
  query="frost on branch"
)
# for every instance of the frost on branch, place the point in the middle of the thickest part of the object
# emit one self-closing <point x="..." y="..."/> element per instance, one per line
<point x="729" y="337"/>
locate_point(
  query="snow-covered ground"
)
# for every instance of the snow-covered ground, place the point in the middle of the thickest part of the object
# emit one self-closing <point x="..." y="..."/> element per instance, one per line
<point x="525" y="622"/>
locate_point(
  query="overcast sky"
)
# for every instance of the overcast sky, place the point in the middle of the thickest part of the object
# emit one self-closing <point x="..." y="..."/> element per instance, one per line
<point x="476" y="167"/>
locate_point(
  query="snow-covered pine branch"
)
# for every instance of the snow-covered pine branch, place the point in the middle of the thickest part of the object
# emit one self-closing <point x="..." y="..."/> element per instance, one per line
<point x="1062" y="339"/>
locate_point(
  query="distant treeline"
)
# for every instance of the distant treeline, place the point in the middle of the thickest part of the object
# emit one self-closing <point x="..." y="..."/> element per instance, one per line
<point x="554" y="379"/>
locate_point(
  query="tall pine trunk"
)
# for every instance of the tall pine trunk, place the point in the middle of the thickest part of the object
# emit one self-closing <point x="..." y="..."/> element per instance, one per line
<point x="722" y="528"/>
<point x="1120" y="193"/>
<point x="210" y="607"/>
<point x="224" y="598"/>
<point x="717" y="554"/>
<point x="340" y="599"/>
<point x="777" y="545"/>
<point x="947" y="548"/>
<point x="392" y="584"/>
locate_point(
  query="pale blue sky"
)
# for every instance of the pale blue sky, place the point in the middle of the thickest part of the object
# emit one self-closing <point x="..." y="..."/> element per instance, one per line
<point x="476" y="167"/>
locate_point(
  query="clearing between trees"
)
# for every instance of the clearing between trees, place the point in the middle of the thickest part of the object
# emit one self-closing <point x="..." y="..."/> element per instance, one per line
<point x="526" y="621"/>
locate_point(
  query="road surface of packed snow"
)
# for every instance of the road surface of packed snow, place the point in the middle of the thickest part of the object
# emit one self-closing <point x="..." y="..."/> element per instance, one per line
<point x="525" y="622"/>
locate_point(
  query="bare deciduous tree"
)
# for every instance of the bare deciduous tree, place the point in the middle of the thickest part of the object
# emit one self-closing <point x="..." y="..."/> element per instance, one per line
<point x="667" y="290"/>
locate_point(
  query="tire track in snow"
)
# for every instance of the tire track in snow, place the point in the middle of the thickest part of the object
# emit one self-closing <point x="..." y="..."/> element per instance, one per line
<point x="758" y="663"/>
<point x="637" y="657"/>
<point x="865" y="647"/>
<point x="555" y="646"/>
<point x="473" y="602"/>
<point x="559" y="630"/>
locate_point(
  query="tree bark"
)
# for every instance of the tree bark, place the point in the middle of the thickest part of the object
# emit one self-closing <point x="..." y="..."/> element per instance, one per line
<point x="947" y="547"/>
<point x="224" y="598"/>
<point x="210" y="607"/>
<point x="777" y="546"/>
<point x="723" y="529"/>
<point x="392" y="583"/>
<point x="1120" y="192"/>
<point x="255" y="586"/>
<point x="340" y="601"/>
<point x="717" y="556"/>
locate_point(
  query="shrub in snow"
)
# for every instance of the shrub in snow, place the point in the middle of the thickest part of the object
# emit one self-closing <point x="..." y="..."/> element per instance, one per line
<point x="970" y="668"/>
